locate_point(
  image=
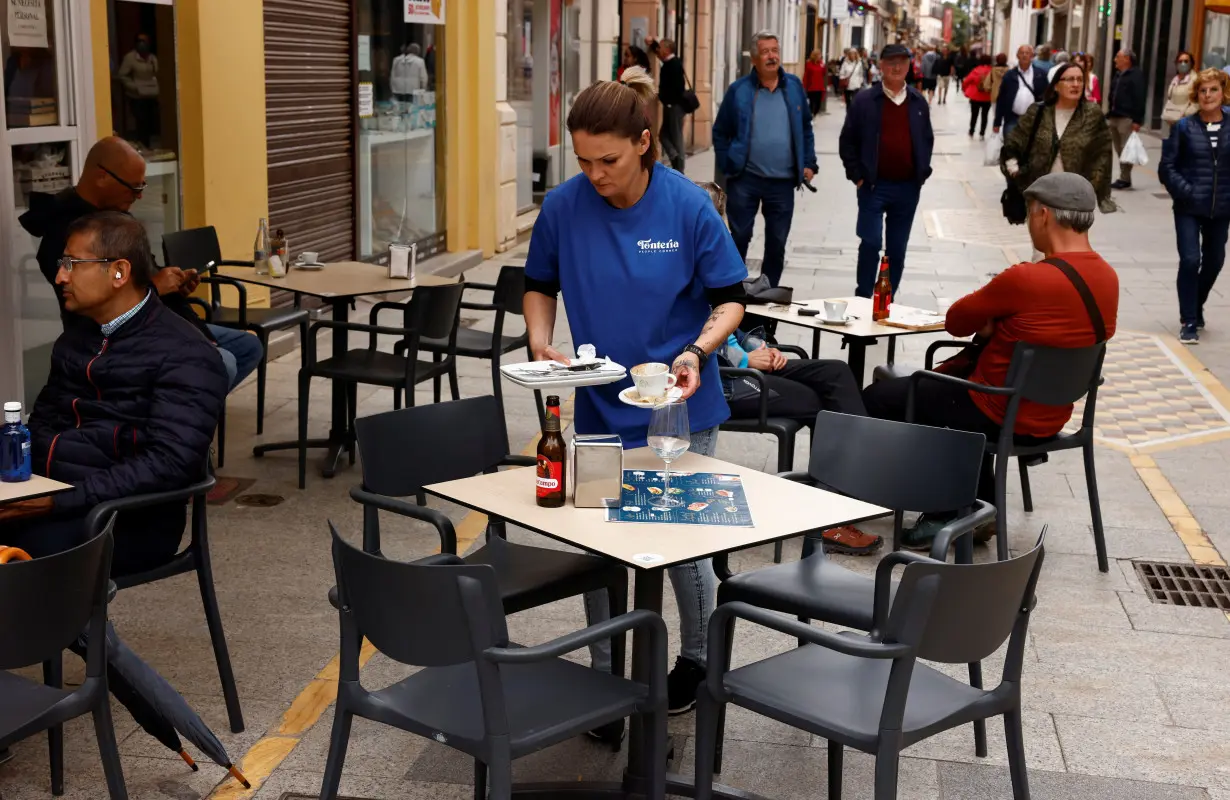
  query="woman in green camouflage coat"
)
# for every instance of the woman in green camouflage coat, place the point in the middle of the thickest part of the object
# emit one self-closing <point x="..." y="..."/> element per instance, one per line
<point x="1071" y="136"/>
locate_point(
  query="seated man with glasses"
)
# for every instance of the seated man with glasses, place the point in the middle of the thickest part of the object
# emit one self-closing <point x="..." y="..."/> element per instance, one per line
<point x="112" y="179"/>
<point x="129" y="408"/>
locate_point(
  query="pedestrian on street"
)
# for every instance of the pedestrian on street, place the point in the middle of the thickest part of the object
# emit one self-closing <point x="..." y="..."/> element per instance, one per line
<point x="963" y="63"/>
<point x="1180" y="99"/>
<point x="930" y="73"/>
<point x="1064" y="133"/>
<point x="885" y="146"/>
<point x="814" y="76"/>
<point x="1195" y="169"/>
<point x="978" y="90"/>
<point x="1093" y="87"/>
<point x="944" y="69"/>
<point x="853" y="75"/>
<point x="670" y="95"/>
<point x="763" y="143"/>
<point x="1021" y="88"/>
<point x="1043" y="59"/>
<point x="997" y="75"/>
<point x="1061" y="57"/>
<point x="1127" y="109"/>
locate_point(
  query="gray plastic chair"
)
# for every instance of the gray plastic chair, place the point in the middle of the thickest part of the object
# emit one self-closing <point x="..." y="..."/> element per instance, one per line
<point x="869" y="692"/>
<point x="1050" y="376"/>
<point x="477" y="692"/>
<point x="892" y="464"/>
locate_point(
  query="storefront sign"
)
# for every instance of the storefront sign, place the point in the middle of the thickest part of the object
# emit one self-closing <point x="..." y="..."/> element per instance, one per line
<point x="367" y="100"/>
<point x="948" y="23"/>
<point x="27" y="23"/>
<point x="425" y="12"/>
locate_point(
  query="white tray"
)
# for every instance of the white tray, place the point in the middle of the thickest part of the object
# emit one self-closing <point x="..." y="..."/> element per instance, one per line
<point x="548" y="380"/>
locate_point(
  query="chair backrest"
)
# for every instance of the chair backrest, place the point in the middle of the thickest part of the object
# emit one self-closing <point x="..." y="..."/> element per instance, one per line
<point x="510" y="289"/>
<point x="1057" y="376"/>
<point x="404" y="450"/>
<point x="192" y="248"/>
<point x="898" y="465"/>
<point x="432" y="312"/>
<point x="973" y="608"/>
<point x="48" y="601"/>
<point x="427" y="616"/>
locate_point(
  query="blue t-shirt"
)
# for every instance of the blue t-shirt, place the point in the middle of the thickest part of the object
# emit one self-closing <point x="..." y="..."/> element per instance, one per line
<point x="634" y="282"/>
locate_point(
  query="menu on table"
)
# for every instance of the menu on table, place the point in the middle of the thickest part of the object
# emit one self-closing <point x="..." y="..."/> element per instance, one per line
<point x="707" y="498"/>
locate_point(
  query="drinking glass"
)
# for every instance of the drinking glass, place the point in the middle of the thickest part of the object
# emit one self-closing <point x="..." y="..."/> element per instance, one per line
<point x="669" y="438"/>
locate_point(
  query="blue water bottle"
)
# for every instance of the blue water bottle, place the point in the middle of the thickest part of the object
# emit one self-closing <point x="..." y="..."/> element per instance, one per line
<point x="14" y="446"/>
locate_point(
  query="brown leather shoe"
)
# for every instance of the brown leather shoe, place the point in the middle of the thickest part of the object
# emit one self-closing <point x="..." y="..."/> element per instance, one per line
<point x="851" y="541"/>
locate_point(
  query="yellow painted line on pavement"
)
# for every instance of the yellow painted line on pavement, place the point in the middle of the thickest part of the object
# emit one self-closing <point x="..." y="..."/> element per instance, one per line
<point x="262" y="758"/>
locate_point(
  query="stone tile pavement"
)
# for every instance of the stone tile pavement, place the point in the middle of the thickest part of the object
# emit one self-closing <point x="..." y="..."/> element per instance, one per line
<point x="1123" y="698"/>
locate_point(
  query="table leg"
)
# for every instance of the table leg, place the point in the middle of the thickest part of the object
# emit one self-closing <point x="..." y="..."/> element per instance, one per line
<point x="857" y="358"/>
<point x="815" y="343"/>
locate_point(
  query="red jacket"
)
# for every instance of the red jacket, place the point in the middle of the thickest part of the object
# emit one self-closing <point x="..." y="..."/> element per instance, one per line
<point x="814" y="76"/>
<point x="971" y="84"/>
<point x="1035" y="303"/>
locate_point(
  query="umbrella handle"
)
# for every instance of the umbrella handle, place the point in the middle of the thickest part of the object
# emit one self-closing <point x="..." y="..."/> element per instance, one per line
<point x="188" y="760"/>
<point x="237" y="775"/>
<point x="8" y="554"/>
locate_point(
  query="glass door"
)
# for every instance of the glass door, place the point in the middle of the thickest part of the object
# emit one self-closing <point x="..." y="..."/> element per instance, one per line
<point x="46" y="133"/>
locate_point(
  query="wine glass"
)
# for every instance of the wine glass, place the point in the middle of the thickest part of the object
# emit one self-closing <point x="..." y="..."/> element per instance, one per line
<point x="669" y="438"/>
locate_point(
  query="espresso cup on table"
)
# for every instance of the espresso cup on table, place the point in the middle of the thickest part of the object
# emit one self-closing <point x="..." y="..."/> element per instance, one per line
<point x="835" y="309"/>
<point x="309" y="257"/>
<point x="652" y="380"/>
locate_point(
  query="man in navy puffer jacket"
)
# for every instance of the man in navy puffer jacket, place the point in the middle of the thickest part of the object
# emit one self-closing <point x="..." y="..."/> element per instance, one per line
<point x="130" y="405"/>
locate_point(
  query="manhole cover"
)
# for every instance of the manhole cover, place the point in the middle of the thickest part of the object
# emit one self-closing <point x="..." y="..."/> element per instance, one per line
<point x="1193" y="585"/>
<point x="259" y="500"/>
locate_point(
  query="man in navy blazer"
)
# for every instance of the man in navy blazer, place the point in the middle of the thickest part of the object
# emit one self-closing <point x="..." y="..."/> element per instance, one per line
<point x="1022" y="87"/>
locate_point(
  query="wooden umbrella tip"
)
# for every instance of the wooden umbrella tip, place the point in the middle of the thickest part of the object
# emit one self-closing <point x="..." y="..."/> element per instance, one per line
<point x="188" y="760"/>
<point x="238" y="776"/>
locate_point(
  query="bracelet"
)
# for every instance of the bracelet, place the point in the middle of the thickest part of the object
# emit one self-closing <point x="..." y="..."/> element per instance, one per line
<point x="700" y="354"/>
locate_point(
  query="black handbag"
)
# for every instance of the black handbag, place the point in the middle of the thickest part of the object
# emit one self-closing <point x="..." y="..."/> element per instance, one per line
<point x="760" y="292"/>
<point x="688" y="101"/>
<point x="1012" y="201"/>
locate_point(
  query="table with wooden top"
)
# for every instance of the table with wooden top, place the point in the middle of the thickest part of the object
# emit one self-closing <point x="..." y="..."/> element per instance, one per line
<point x="337" y="284"/>
<point x="857" y="334"/>
<point x="780" y="509"/>
<point x="37" y="486"/>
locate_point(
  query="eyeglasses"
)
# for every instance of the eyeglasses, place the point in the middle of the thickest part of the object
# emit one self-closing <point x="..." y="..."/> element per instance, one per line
<point x="137" y="190"/>
<point x="67" y="263"/>
<point x="1073" y="79"/>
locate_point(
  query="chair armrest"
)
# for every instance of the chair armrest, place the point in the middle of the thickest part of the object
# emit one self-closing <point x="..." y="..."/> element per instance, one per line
<point x="372" y="319"/>
<point x="436" y="560"/>
<point x="793" y="349"/>
<point x="935" y="347"/>
<point x="758" y="376"/>
<point x="517" y="461"/>
<point x="482" y="287"/>
<point x="238" y="286"/>
<point x="964" y="526"/>
<point x="479" y="307"/>
<point x="923" y="374"/>
<point x="350" y="326"/>
<point x="443" y="525"/>
<point x="640" y="618"/>
<point x="201" y="304"/>
<point x="884" y="584"/>
<point x="103" y="511"/>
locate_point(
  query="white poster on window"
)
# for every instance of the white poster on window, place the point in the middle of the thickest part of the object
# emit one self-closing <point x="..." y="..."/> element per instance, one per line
<point x="365" y="53"/>
<point x="27" y="23"/>
<point x="425" y="12"/>
<point x="367" y="100"/>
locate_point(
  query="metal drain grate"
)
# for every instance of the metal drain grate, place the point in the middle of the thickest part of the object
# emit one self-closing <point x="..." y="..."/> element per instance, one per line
<point x="1192" y="585"/>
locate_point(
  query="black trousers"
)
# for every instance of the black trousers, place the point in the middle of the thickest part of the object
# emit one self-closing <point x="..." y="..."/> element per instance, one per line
<point x="813" y="102"/>
<point x="671" y="136"/>
<point x="976" y="107"/>
<point x="804" y="388"/>
<point x="139" y="545"/>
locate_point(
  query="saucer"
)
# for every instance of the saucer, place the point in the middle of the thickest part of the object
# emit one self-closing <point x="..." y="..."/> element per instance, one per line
<point x="307" y="266"/>
<point x="843" y="321"/>
<point x="631" y="397"/>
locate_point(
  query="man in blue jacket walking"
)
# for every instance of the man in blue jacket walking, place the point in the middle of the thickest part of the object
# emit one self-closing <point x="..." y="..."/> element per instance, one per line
<point x="764" y="146"/>
<point x="885" y="146"/>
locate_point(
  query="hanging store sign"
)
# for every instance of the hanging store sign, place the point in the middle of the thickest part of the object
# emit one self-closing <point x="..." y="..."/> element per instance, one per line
<point x="27" y="23"/>
<point x="425" y="12"/>
<point x="948" y="23"/>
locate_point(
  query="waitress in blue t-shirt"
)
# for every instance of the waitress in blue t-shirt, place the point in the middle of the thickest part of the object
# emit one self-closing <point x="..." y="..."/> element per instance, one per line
<point x="649" y="274"/>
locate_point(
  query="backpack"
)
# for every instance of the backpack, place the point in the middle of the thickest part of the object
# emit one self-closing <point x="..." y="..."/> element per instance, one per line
<point x="984" y="85"/>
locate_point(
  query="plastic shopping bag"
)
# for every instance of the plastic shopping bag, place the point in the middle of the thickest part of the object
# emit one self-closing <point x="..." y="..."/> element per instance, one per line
<point x="1134" y="152"/>
<point x="994" y="145"/>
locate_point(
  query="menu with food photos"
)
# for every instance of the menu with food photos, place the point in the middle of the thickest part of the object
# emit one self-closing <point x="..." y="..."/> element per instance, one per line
<point x="706" y="498"/>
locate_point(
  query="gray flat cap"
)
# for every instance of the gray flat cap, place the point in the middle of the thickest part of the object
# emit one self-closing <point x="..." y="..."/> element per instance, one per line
<point x="1063" y="191"/>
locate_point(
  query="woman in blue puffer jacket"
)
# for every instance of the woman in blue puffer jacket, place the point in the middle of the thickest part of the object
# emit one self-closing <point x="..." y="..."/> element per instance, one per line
<point x="1195" y="169"/>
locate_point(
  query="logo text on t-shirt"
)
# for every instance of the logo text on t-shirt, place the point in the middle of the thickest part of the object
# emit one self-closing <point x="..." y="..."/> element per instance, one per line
<point x="655" y="246"/>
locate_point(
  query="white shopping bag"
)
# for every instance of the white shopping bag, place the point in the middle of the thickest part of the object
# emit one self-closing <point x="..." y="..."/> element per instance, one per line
<point x="994" y="145"/>
<point x="1134" y="152"/>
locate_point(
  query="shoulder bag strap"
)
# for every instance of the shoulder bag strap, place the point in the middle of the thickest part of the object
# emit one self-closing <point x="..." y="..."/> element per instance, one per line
<point x="1082" y="288"/>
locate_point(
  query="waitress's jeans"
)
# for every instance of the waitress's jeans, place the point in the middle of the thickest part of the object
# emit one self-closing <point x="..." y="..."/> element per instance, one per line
<point x="1202" y="251"/>
<point x="695" y="587"/>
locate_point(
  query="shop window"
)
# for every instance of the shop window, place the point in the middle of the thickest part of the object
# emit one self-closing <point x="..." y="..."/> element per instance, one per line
<point x="1216" y="40"/>
<point x="34" y="96"/>
<point x="400" y="144"/>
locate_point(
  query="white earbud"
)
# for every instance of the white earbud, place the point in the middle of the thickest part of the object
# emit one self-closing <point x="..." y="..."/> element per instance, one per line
<point x="118" y="274"/>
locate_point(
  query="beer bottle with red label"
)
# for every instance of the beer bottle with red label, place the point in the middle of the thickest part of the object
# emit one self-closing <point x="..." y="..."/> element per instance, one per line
<point x="882" y="297"/>
<point x="552" y="452"/>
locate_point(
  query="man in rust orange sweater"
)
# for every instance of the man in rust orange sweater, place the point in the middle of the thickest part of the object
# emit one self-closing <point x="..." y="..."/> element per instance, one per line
<point x="1029" y="302"/>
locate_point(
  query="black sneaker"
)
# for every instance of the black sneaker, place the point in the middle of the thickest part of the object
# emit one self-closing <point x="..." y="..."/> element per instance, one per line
<point x="681" y="685"/>
<point x="1121" y="185"/>
<point x="1189" y="335"/>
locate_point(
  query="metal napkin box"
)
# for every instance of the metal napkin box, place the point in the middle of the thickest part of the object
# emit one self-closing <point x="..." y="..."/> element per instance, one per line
<point x="597" y="470"/>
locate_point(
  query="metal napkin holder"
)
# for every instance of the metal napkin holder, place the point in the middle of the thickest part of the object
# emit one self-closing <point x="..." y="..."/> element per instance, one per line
<point x="597" y="470"/>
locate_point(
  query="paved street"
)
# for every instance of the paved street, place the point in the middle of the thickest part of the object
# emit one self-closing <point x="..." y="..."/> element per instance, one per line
<point x="1124" y="698"/>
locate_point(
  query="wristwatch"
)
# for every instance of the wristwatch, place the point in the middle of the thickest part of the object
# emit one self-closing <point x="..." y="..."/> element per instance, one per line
<point x="701" y="355"/>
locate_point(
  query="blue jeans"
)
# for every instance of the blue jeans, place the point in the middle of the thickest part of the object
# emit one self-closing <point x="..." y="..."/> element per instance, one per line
<point x="744" y="196"/>
<point x="241" y="352"/>
<point x="885" y="215"/>
<point x="695" y="586"/>
<point x="1009" y="123"/>
<point x="1202" y="250"/>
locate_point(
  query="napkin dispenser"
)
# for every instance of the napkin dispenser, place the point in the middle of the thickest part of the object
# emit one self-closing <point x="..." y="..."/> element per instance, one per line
<point x="597" y="470"/>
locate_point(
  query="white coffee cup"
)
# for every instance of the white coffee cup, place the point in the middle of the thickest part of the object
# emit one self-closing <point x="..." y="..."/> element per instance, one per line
<point x="309" y="257"/>
<point x="835" y="310"/>
<point x="652" y="379"/>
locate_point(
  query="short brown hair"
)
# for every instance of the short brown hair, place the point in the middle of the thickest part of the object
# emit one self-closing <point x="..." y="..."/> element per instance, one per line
<point x="1209" y="75"/>
<point x="618" y="107"/>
